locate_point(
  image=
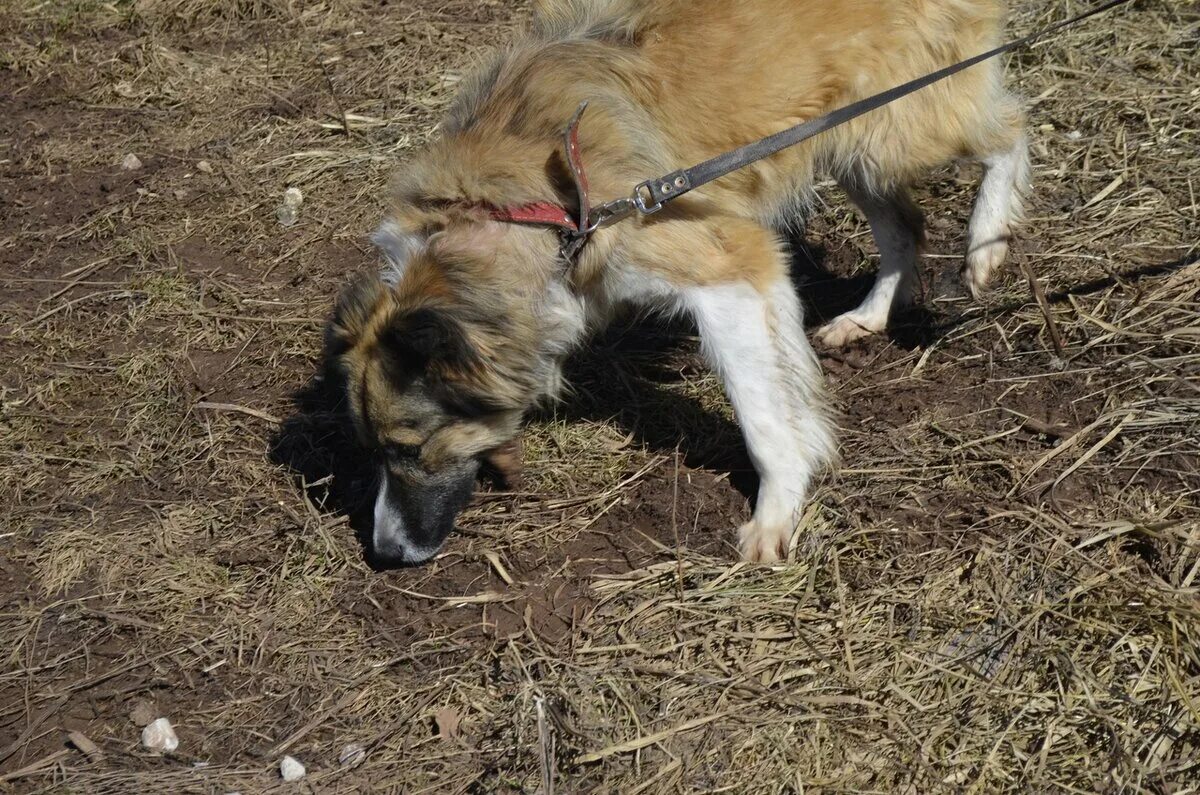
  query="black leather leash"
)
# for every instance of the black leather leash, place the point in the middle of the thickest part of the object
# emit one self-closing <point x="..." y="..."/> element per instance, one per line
<point x="650" y="196"/>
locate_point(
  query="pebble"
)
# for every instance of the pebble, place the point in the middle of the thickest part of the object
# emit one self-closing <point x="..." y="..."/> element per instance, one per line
<point x="204" y="167"/>
<point x="290" y="769"/>
<point x="131" y="162"/>
<point x="143" y="713"/>
<point x="160" y="737"/>
<point x="288" y="212"/>
<point x="352" y="755"/>
<point x="287" y="216"/>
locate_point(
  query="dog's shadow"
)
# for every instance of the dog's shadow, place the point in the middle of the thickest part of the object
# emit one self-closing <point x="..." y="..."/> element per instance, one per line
<point x="640" y="374"/>
<point x="645" y="376"/>
<point x="317" y="442"/>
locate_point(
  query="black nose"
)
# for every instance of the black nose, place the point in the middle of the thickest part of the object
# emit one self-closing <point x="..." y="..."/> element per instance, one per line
<point x="415" y="512"/>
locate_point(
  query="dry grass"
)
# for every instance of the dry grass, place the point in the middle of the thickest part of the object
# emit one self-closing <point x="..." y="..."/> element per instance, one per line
<point x="999" y="592"/>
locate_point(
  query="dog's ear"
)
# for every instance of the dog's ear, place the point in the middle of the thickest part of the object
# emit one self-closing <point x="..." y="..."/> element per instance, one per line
<point x="354" y="309"/>
<point x="428" y="340"/>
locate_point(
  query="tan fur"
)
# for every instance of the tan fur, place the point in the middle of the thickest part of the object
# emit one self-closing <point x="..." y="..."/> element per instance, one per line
<point x="670" y="83"/>
<point x="664" y="94"/>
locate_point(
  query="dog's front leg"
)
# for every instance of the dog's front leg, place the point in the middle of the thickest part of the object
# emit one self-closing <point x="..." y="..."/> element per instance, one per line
<point x="753" y="335"/>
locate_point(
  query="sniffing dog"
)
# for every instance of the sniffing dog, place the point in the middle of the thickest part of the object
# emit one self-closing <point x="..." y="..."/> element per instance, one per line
<point x="469" y="323"/>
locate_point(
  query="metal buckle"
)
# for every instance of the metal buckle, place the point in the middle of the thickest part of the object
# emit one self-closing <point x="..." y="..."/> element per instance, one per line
<point x="645" y="198"/>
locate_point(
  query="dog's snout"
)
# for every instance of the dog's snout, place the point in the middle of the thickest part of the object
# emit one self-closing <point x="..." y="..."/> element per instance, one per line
<point x="414" y="514"/>
<point x="391" y="540"/>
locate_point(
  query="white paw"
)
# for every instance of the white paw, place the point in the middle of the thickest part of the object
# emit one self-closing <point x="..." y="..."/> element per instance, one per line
<point x="982" y="262"/>
<point x="764" y="543"/>
<point x="848" y="328"/>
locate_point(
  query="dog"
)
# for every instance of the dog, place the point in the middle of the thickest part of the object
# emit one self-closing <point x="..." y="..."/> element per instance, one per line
<point x="467" y="326"/>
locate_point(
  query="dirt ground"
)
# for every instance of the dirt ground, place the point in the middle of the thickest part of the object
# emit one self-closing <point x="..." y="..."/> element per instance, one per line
<point x="999" y="591"/>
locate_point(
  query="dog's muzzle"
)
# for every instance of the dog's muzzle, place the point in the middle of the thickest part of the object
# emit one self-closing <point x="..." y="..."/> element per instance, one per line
<point x="414" y="513"/>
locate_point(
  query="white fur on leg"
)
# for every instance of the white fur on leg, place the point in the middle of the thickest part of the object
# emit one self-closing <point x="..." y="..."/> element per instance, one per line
<point x="894" y="225"/>
<point x="997" y="208"/>
<point x="757" y="343"/>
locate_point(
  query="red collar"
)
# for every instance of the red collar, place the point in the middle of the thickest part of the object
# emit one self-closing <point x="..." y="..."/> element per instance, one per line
<point x="535" y="214"/>
<point x="576" y="229"/>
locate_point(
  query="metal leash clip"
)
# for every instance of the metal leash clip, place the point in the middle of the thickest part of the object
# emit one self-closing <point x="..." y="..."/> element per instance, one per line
<point x="647" y="198"/>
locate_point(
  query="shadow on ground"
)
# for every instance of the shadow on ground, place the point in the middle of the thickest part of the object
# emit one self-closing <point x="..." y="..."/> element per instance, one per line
<point x="318" y="443"/>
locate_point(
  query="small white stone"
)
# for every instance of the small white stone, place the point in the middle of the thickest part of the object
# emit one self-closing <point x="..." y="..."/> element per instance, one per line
<point x="131" y="162"/>
<point x="287" y="216"/>
<point x="352" y="755"/>
<point x="160" y="737"/>
<point x="290" y="769"/>
<point x="292" y="197"/>
<point x="1074" y="135"/>
<point x="204" y="167"/>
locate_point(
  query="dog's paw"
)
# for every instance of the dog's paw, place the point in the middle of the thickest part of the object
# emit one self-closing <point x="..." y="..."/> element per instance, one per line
<point x="981" y="263"/>
<point x="763" y="543"/>
<point x="507" y="465"/>
<point x="847" y="329"/>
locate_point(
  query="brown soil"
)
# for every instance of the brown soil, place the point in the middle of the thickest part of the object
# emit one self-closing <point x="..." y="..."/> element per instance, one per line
<point x="185" y="505"/>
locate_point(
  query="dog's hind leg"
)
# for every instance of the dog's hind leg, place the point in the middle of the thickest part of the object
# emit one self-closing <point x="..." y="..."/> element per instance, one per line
<point x="753" y="335"/>
<point x="898" y="228"/>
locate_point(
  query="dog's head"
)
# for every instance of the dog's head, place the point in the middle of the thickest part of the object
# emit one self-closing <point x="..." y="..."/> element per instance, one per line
<point x="440" y="359"/>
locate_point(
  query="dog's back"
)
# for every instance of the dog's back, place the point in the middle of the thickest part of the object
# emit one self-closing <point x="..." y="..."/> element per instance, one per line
<point x="678" y="81"/>
<point x="674" y="82"/>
